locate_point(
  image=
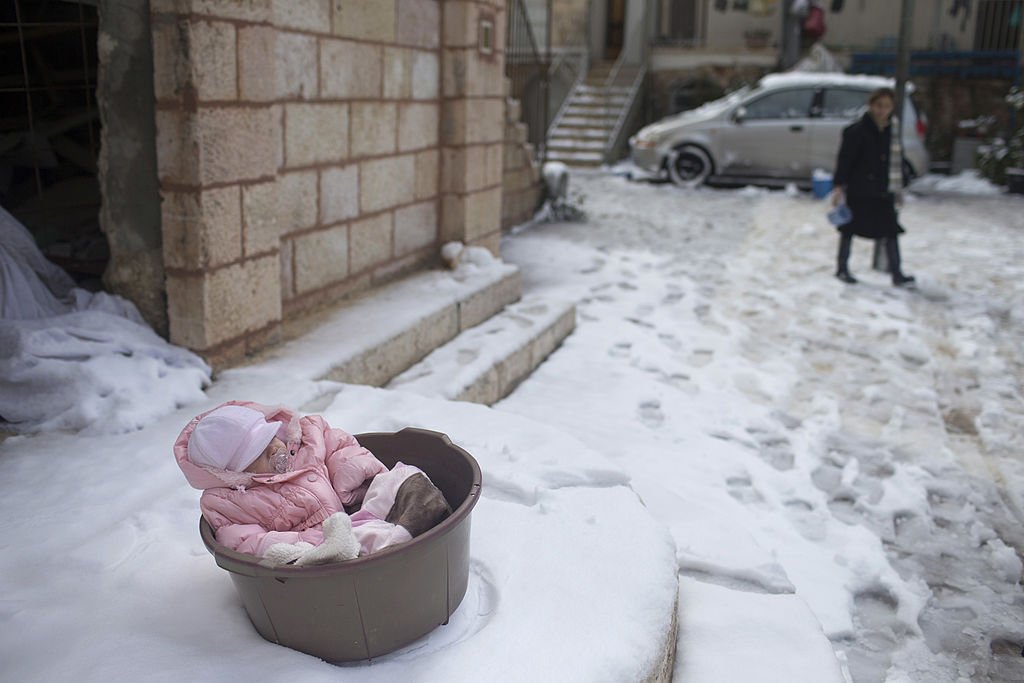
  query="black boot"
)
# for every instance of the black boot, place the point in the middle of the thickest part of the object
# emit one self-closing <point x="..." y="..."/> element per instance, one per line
<point x="892" y="252"/>
<point x="842" y="271"/>
<point x="845" y="276"/>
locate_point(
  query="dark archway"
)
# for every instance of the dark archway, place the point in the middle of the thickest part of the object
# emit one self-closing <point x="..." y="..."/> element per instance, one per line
<point x="50" y="131"/>
<point x="615" y="33"/>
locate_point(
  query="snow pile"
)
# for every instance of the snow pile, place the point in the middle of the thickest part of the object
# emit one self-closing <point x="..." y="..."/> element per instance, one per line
<point x="823" y="470"/>
<point x="818" y="60"/>
<point x="969" y="182"/>
<point x="571" y="577"/>
<point x="805" y="439"/>
<point x="466" y="261"/>
<point x="72" y="359"/>
<point x="91" y="370"/>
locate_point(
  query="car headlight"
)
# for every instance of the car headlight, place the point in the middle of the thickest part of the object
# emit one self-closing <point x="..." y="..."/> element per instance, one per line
<point x="640" y="142"/>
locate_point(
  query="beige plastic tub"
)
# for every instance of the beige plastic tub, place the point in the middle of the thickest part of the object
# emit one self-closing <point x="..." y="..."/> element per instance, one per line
<point x="372" y="605"/>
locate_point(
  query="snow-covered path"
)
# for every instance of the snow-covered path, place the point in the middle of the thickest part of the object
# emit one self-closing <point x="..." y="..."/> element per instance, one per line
<point x="811" y="458"/>
<point x="859" y="447"/>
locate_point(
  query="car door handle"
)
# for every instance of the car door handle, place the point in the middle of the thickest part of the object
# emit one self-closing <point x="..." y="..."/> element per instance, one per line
<point x="796" y="129"/>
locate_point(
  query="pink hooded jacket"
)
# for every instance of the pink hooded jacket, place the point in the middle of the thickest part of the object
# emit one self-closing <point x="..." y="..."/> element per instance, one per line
<point x="251" y="512"/>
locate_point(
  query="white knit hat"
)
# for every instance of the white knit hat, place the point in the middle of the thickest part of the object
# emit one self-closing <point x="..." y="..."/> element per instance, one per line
<point x="230" y="438"/>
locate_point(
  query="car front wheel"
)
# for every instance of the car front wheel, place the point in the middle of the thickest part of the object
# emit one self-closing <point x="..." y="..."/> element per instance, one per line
<point x="688" y="166"/>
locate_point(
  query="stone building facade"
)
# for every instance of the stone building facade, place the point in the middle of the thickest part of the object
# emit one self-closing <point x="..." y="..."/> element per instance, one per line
<point x="306" y="150"/>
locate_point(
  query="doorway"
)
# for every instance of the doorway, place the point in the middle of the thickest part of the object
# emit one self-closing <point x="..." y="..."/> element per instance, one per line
<point x="679" y="22"/>
<point x="615" y="31"/>
<point x="50" y="131"/>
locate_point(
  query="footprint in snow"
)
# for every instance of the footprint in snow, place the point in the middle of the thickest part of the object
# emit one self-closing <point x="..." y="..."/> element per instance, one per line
<point x="620" y="350"/>
<point x="701" y="357"/>
<point x="650" y="413"/>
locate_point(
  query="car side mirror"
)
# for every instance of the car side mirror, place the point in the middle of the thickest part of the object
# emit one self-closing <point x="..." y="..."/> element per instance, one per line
<point x="739" y="115"/>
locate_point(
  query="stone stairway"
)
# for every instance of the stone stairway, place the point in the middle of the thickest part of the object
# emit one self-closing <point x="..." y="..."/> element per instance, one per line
<point x="485" y="363"/>
<point x="473" y="339"/>
<point x="583" y="133"/>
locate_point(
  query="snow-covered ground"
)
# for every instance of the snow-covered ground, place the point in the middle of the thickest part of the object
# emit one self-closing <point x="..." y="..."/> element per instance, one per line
<point x="860" y="446"/>
<point x="832" y="476"/>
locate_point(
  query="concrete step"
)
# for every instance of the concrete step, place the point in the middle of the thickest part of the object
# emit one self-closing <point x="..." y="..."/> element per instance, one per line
<point x="595" y="101"/>
<point x="587" y="159"/>
<point x="585" y="100"/>
<point x="618" y="91"/>
<point x="576" y="145"/>
<point x="484" y="364"/>
<point x="580" y="133"/>
<point x="371" y="338"/>
<point x="580" y="121"/>
<point x="593" y="109"/>
<point x="596" y="110"/>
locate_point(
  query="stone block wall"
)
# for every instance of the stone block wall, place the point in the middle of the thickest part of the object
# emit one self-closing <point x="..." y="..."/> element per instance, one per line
<point x="521" y="183"/>
<point x="472" y="121"/>
<point x="308" y="149"/>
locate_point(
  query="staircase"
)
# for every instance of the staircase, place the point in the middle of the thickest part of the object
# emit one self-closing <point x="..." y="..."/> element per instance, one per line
<point x="582" y="133"/>
<point x="474" y="339"/>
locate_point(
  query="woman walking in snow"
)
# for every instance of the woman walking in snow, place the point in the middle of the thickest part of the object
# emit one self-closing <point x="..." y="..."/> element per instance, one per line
<point x="869" y="179"/>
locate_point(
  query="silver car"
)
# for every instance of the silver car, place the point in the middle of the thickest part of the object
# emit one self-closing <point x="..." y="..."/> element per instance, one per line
<point x="779" y="131"/>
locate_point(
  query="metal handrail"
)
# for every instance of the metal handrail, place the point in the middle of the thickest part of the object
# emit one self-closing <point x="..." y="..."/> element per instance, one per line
<point x="581" y="76"/>
<point x="529" y="29"/>
<point x="527" y="67"/>
<point x="609" y="80"/>
<point x="626" y="111"/>
<point x="638" y="33"/>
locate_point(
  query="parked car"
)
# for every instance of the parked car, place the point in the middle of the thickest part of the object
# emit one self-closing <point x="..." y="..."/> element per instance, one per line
<point x="776" y="132"/>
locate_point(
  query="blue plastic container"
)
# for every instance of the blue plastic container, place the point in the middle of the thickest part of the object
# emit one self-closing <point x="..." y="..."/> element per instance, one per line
<point x="821" y="185"/>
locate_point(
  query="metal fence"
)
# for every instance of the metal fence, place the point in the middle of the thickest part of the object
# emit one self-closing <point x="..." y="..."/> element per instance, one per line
<point x="998" y="25"/>
<point x="47" y="90"/>
<point x="995" y="53"/>
<point x="50" y="128"/>
<point x="998" y="64"/>
<point x="527" y="66"/>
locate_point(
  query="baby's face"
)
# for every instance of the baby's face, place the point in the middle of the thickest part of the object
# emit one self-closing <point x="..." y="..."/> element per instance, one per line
<point x="264" y="463"/>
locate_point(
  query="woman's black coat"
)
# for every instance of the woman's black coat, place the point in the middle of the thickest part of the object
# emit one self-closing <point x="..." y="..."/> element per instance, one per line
<point x="863" y="169"/>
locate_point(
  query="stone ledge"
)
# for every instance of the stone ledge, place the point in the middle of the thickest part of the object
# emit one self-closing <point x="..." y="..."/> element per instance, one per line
<point x="377" y="335"/>
<point x="484" y="364"/>
<point x="665" y="663"/>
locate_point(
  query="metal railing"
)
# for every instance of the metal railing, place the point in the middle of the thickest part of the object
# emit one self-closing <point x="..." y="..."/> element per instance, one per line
<point x="633" y="80"/>
<point x="998" y="25"/>
<point x="578" y="71"/>
<point x="1003" y="64"/>
<point x="569" y="69"/>
<point x="50" y="110"/>
<point x="528" y="69"/>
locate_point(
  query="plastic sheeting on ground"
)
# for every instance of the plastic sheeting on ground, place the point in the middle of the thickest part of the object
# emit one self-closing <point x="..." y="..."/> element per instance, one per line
<point x="73" y="359"/>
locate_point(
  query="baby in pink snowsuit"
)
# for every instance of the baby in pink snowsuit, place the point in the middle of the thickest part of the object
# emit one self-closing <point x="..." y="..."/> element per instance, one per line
<point x="278" y="486"/>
